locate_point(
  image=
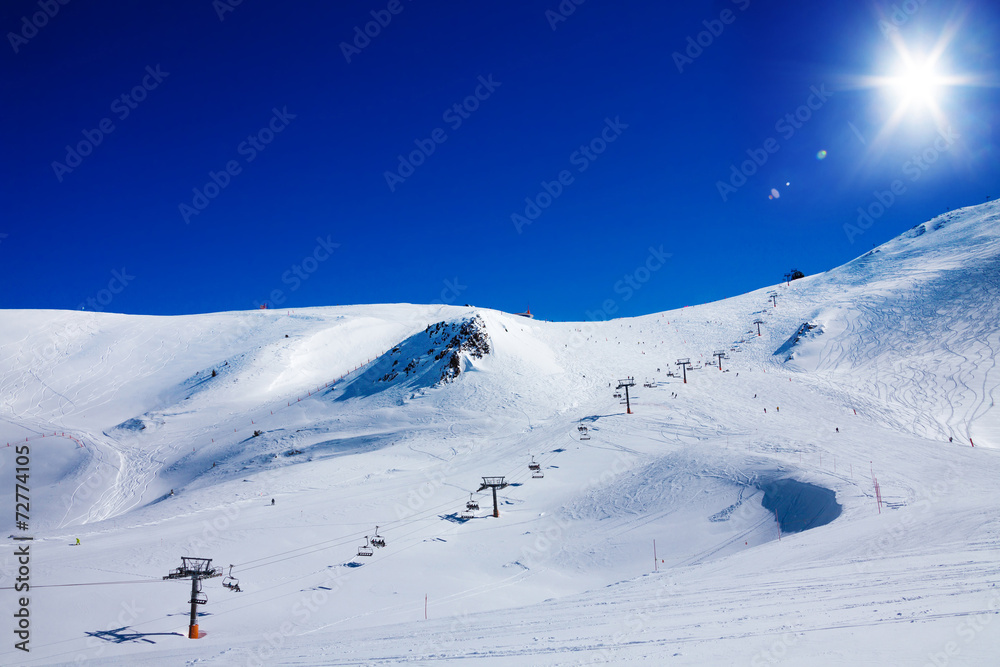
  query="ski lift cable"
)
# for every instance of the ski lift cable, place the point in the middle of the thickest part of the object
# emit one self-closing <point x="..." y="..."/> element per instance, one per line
<point x="342" y="541"/>
<point x="299" y="591"/>
<point x="90" y="583"/>
<point x="397" y="538"/>
<point x="374" y="563"/>
<point x="516" y="474"/>
<point x="345" y="539"/>
<point x="393" y="553"/>
<point x="274" y="559"/>
<point x="165" y="617"/>
<point x="317" y="546"/>
<point x="339" y="542"/>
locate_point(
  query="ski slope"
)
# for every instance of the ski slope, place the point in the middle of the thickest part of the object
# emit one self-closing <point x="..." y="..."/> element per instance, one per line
<point x="863" y="372"/>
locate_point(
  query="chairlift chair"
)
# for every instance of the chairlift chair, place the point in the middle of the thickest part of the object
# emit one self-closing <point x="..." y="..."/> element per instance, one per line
<point x="365" y="550"/>
<point x="199" y="597"/>
<point x="534" y="466"/>
<point x="472" y="504"/>
<point x="231" y="582"/>
<point x="378" y="540"/>
<point x="537" y="474"/>
<point x="467" y="514"/>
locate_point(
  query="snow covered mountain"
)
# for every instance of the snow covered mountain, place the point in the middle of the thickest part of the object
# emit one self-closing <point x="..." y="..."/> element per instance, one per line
<point x="153" y="438"/>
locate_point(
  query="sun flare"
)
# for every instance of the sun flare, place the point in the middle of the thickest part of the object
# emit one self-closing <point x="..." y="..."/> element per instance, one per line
<point x="919" y="82"/>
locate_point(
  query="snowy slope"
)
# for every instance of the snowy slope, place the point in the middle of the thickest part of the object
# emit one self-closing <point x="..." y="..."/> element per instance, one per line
<point x="896" y="357"/>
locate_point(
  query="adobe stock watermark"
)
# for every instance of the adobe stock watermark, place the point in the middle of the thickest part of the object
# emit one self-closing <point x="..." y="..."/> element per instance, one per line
<point x="635" y="622"/>
<point x="31" y="25"/>
<point x="631" y="283"/>
<point x="713" y="30"/>
<point x="554" y="528"/>
<point x="211" y="531"/>
<point x="302" y="609"/>
<point x="786" y="126"/>
<point x="435" y="645"/>
<point x="914" y="168"/>
<point x="100" y="640"/>
<point x="96" y="480"/>
<point x="898" y="16"/>
<point x="891" y="538"/>
<point x="60" y="341"/>
<point x="249" y="148"/>
<point x="225" y="517"/>
<point x="968" y="629"/>
<point x="119" y="281"/>
<point x="581" y="158"/>
<point x="776" y="651"/>
<point x="223" y="7"/>
<point x="563" y="11"/>
<point x="454" y="115"/>
<point x="362" y="38"/>
<point x="419" y="496"/>
<point x="452" y="290"/>
<point x="298" y="273"/>
<point x="122" y="106"/>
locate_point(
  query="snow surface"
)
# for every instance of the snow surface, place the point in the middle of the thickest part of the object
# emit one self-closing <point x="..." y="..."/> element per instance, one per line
<point x="900" y="356"/>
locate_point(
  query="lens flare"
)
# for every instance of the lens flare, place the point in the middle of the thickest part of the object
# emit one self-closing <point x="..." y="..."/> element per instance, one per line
<point x="821" y="155"/>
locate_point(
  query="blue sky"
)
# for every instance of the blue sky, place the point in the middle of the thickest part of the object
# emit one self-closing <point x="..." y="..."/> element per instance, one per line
<point x="590" y="160"/>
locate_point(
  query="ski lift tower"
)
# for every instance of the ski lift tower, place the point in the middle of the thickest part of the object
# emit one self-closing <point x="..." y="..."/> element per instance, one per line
<point x="773" y="296"/>
<point x="197" y="569"/>
<point x="758" y="322"/>
<point x="788" y="279"/>
<point x="494" y="483"/>
<point x="627" y="382"/>
<point x="684" y="363"/>
<point x="721" y="354"/>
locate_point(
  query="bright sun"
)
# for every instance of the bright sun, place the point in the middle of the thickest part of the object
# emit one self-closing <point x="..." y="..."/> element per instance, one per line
<point x="918" y="86"/>
<point x="918" y="82"/>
